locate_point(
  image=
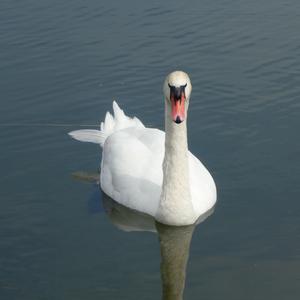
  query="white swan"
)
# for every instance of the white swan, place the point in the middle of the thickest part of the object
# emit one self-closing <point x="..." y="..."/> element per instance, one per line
<point x="151" y="171"/>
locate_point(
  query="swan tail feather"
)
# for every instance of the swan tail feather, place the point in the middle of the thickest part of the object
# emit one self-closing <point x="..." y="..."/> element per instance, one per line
<point x="89" y="135"/>
<point x="111" y="124"/>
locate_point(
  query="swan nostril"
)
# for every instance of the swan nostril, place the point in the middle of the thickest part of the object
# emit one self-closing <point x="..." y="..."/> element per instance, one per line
<point x="178" y="121"/>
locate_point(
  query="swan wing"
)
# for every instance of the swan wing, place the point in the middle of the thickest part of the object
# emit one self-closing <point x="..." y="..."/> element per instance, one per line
<point x="131" y="168"/>
<point x="202" y="186"/>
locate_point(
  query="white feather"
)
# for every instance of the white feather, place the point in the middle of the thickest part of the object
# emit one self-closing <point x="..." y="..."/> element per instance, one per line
<point x="88" y="135"/>
<point x="110" y="125"/>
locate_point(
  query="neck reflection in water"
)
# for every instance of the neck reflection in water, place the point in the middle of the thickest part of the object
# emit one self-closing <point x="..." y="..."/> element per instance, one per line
<point x="174" y="249"/>
<point x="174" y="243"/>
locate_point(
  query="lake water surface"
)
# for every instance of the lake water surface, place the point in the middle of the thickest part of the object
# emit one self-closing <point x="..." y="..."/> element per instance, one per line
<point x="63" y="62"/>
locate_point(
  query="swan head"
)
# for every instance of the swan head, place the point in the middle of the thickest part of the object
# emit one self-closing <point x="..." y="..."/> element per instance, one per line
<point x="177" y="90"/>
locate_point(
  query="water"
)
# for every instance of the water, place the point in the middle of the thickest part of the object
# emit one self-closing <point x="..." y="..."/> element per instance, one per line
<point x="64" y="62"/>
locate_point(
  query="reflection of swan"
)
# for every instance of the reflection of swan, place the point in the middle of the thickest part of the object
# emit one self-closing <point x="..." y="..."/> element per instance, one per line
<point x="174" y="249"/>
<point x="125" y="218"/>
<point x="152" y="172"/>
<point x="174" y="243"/>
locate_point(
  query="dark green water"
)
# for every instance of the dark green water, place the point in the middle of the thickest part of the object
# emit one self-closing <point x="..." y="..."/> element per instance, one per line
<point x="63" y="62"/>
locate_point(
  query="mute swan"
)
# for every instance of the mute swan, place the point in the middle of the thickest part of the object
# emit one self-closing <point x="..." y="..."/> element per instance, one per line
<point x="151" y="171"/>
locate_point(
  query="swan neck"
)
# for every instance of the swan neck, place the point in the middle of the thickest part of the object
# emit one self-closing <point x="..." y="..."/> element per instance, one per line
<point x="176" y="151"/>
<point x="176" y="138"/>
<point x="175" y="206"/>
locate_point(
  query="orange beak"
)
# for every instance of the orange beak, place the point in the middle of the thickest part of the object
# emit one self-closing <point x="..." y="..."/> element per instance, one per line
<point x="178" y="111"/>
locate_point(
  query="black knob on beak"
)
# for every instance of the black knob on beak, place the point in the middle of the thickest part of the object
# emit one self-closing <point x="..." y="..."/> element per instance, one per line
<point x="177" y="92"/>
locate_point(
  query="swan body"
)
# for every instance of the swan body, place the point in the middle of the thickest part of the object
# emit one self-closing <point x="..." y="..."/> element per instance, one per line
<point x="149" y="170"/>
